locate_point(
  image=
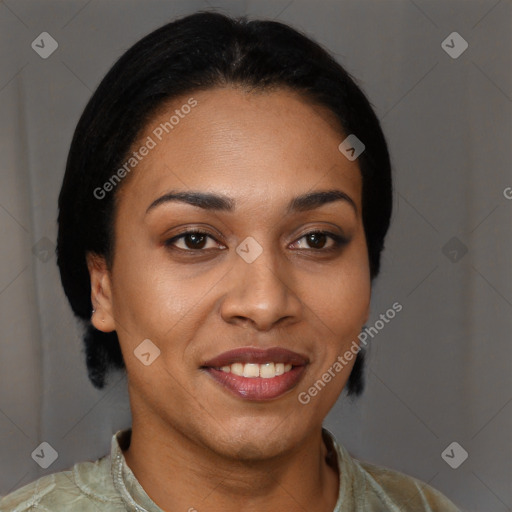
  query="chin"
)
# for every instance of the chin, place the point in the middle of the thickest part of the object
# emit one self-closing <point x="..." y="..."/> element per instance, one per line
<point x="250" y="440"/>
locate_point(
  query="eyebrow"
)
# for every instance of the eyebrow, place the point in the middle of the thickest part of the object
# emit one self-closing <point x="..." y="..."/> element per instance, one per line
<point x="218" y="202"/>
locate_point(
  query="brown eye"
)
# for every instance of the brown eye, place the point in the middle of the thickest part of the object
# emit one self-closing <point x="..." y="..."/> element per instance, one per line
<point x="195" y="240"/>
<point x="190" y="241"/>
<point x="317" y="240"/>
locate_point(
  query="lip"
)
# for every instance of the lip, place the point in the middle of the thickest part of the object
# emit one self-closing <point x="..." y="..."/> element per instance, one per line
<point x="257" y="388"/>
<point x="257" y="355"/>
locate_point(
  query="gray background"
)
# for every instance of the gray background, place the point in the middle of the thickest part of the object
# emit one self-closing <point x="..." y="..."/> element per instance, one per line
<point x="439" y="372"/>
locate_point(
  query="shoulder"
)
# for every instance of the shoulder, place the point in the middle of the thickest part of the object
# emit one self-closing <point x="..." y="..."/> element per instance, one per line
<point x="396" y="489"/>
<point x="368" y="487"/>
<point x="86" y="487"/>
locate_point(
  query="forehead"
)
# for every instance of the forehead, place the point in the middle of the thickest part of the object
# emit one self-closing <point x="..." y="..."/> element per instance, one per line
<point x="256" y="147"/>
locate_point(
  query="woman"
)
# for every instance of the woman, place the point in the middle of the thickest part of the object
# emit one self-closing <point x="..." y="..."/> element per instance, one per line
<point x="224" y="208"/>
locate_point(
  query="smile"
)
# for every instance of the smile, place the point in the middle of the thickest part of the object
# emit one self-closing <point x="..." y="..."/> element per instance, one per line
<point x="257" y="374"/>
<point x="253" y="370"/>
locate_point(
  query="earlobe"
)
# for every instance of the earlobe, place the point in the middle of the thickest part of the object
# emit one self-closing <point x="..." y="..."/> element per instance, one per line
<point x="101" y="293"/>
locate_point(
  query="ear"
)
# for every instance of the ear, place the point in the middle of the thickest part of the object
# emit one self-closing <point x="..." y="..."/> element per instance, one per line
<point x="101" y="293"/>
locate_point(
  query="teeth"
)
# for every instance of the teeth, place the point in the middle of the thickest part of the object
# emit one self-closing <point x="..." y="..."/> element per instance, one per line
<point x="253" y="370"/>
<point x="237" y="369"/>
<point x="267" y="371"/>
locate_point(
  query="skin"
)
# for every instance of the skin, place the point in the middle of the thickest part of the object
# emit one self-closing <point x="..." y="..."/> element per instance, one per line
<point x="194" y="444"/>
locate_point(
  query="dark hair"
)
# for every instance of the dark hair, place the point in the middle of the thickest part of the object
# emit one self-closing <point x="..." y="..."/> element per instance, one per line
<point x="200" y="51"/>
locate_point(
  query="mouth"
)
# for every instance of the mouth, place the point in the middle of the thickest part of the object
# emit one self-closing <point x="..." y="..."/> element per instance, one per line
<point x="257" y="374"/>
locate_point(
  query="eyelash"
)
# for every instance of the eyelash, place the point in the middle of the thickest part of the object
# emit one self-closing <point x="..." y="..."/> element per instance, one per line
<point x="338" y="240"/>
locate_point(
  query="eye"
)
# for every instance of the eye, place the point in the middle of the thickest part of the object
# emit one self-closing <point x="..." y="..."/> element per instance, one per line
<point x="317" y="240"/>
<point x="191" y="240"/>
<point x="195" y="240"/>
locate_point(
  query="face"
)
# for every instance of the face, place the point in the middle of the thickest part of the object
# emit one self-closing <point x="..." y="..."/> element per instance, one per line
<point x="262" y="273"/>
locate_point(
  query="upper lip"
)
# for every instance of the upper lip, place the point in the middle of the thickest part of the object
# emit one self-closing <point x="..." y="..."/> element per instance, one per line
<point x="257" y="355"/>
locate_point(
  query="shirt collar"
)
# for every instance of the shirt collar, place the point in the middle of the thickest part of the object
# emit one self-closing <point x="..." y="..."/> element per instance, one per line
<point x="132" y="493"/>
<point x="136" y="499"/>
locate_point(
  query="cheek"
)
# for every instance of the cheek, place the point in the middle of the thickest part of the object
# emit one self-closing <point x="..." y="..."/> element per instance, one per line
<point x="145" y="301"/>
<point x="141" y="291"/>
<point x="156" y="299"/>
<point x="340" y="303"/>
<point x="342" y="299"/>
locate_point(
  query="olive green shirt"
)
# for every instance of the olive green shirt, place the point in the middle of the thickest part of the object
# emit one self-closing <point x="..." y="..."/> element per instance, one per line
<point x="108" y="484"/>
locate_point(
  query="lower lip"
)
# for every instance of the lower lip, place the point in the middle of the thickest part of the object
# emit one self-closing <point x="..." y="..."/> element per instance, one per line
<point x="257" y="388"/>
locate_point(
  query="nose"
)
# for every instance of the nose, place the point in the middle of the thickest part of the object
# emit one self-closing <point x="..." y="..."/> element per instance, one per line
<point x="262" y="294"/>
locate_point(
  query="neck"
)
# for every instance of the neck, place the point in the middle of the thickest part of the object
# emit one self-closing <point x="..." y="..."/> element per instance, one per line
<point x="178" y="473"/>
